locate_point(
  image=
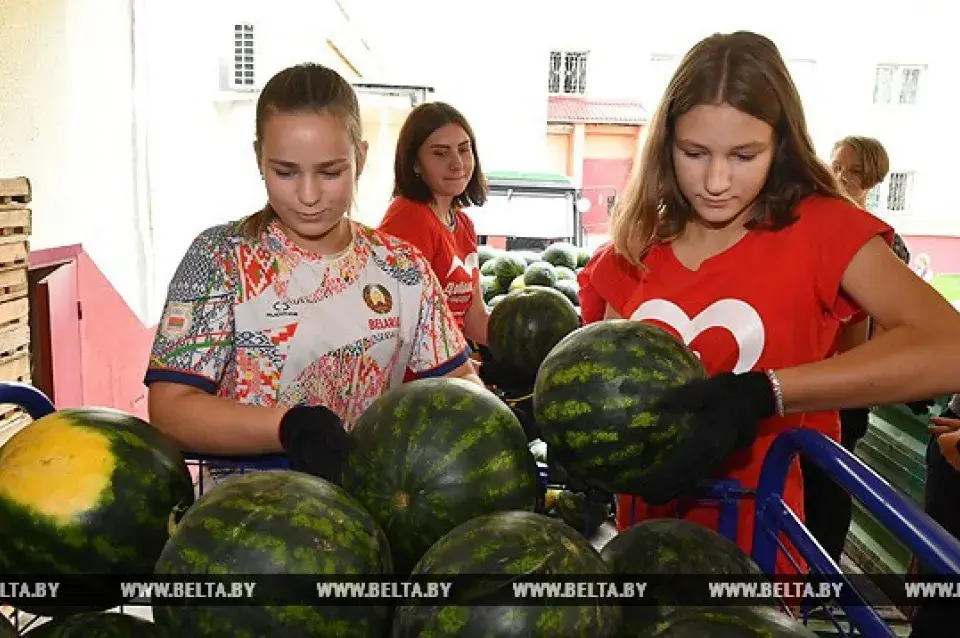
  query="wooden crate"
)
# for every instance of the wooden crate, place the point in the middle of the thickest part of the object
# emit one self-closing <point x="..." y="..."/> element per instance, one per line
<point x="15" y="228"/>
<point x="15" y="192"/>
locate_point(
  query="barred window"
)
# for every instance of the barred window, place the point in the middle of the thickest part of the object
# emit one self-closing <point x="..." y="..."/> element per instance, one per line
<point x="897" y="83"/>
<point x="568" y="72"/>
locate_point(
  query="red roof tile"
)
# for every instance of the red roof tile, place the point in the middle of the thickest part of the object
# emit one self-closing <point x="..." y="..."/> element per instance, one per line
<point x="568" y="109"/>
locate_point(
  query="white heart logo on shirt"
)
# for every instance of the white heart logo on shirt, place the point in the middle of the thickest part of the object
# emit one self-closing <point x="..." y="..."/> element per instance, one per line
<point x="738" y="317"/>
<point x="468" y="265"/>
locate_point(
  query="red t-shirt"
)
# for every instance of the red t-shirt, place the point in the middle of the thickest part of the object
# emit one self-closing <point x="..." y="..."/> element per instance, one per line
<point x="610" y="287"/>
<point x="773" y="300"/>
<point x="452" y="253"/>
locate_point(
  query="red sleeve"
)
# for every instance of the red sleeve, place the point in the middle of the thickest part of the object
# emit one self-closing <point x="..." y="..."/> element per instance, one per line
<point x="404" y="219"/>
<point x="607" y="278"/>
<point x="615" y="278"/>
<point x="836" y="230"/>
<point x="592" y="305"/>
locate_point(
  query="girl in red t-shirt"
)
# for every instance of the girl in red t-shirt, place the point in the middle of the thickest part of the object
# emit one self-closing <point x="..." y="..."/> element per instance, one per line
<point x="437" y="174"/>
<point x="747" y="251"/>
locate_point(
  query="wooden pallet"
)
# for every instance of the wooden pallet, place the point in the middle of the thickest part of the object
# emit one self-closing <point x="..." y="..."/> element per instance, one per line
<point x="15" y="225"/>
<point x="14" y="255"/>
<point x="15" y="361"/>
<point x="15" y="192"/>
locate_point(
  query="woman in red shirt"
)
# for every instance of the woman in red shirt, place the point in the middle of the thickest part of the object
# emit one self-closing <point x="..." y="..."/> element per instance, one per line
<point x="436" y="175"/>
<point x="751" y="255"/>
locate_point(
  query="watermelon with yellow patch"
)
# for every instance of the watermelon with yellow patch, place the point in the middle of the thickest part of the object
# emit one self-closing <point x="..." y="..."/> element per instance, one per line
<point x="594" y="397"/>
<point x="434" y="453"/>
<point x="88" y="491"/>
<point x="503" y="547"/>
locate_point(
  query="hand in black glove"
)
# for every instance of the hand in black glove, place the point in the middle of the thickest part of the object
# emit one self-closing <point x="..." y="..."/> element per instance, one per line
<point x="523" y="410"/>
<point x="725" y="411"/>
<point x="920" y="407"/>
<point x="315" y="441"/>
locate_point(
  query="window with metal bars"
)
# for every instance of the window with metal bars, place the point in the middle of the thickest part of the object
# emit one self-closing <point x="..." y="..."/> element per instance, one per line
<point x="244" y="62"/>
<point x="893" y="195"/>
<point x="897" y="83"/>
<point x="568" y="72"/>
<point x="898" y="192"/>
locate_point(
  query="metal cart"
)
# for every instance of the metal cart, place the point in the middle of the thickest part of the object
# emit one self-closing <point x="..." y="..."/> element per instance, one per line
<point x="928" y="541"/>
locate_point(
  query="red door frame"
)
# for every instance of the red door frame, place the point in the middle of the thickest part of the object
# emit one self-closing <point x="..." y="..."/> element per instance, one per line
<point x="57" y="317"/>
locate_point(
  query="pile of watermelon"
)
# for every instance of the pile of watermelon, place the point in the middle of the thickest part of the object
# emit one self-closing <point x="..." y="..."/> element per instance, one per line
<point x="557" y="266"/>
<point x="441" y="481"/>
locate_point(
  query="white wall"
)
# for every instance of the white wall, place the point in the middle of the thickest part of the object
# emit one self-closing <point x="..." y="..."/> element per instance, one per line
<point x="201" y="163"/>
<point x="66" y="123"/>
<point x="113" y="109"/>
<point x="493" y="63"/>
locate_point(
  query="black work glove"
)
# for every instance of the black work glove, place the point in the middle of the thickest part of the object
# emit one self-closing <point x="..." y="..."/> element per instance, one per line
<point x="854" y="423"/>
<point x="315" y="441"/>
<point x="506" y="378"/>
<point x="920" y="407"/>
<point x="514" y="388"/>
<point x="523" y="410"/>
<point x="724" y="411"/>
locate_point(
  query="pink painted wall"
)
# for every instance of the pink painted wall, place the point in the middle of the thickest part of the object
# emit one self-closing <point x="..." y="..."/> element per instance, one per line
<point x="943" y="253"/>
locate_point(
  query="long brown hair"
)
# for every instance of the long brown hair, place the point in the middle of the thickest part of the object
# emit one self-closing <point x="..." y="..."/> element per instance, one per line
<point x="420" y="124"/>
<point x="746" y="71"/>
<point x="304" y="88"/>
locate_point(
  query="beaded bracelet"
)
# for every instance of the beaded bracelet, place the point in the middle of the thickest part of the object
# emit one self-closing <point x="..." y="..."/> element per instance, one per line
<point x="777" y="391"/>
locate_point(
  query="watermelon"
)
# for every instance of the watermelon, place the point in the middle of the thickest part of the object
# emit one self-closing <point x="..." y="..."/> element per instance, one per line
<point x="727" y="622"/>
<point x="561" y="254"/>
<point x="526" y="325"/>
<point x="489" y="268"/>
<point x="583" y="257"/>
<point x="529" y="256"/>
<point x="570" y="289"/>
<point x="565" y="273"/>
<point x="7" y="630"/>
<point x="593" y="395"/>
<point x="88" y="491"/>
<point x="585" y="516"/>
<point x="540" y="273"/>
<point x="489" y="287"/>
<point x="517" y="284"/>
<point x="487" y="253"/>
<point x="508" y="544"/>
<point x="671" y="546"/>
<point x="275" y="522"/>
<point x="509" y="267"/>
<point x="434" y="453"/>
<point x="100" y="625"/>
<point x="495" y="300"/>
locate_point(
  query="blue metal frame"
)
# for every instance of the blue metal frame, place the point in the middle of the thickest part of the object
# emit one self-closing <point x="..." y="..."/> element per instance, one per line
<point x="932" y="544"/>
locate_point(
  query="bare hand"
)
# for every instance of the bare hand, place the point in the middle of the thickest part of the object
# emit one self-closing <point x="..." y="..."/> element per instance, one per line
<point x="943" y="425"/>
<point x="950" y="447"/>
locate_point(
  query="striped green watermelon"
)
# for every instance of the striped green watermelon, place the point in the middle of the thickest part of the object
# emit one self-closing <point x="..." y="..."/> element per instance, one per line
<point x="508" y="544"/>
<point x="509" y="267"/>
<point x="728" y="622"/>
<point x="275" y="522"/>
<point x="671" y="546"/>
<point x="432" y="454"/>
<point x="99" y="625"/>
<point x="593" y="395"/>
<point x="581" y="514"/>
<point x="561" y="254"/>
<point x="88" y="491"/>
<point x="7" y="630"/>
<point x="527" y="324"/>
